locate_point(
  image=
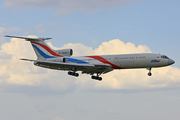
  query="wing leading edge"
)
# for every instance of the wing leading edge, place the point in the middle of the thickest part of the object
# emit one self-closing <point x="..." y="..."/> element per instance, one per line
<point x="85" y="68"/>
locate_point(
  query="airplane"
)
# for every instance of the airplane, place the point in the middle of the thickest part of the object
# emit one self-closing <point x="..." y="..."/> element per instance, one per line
<point x="96" y="64"/>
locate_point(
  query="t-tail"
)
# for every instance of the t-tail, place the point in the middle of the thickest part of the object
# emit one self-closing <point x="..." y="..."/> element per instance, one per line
<point x="43" y="50"/>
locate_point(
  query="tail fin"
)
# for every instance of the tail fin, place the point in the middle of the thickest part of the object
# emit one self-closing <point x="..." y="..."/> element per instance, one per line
<point x="40" y="47"/>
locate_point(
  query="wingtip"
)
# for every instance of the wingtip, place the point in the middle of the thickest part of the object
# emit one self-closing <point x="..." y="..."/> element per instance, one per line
<point x="23" y="59"/>
<point x="6" y="36"/>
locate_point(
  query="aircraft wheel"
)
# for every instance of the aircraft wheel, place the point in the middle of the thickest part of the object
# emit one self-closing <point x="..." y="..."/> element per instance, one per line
<point x="99" y="78"/>
<point x="73" y="74"/>
<point x="149" y="74"/>
<point x="96" y="77"/>
<point x="69" y="73"/>
<point x="93" y="77"/>
<point x="76" y="74"/>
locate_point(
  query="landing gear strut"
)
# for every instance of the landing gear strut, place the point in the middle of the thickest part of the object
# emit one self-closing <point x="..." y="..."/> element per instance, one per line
<point x="96" y="77"/>
<point x="149" y="74"/>
<point x="73" y="74"/>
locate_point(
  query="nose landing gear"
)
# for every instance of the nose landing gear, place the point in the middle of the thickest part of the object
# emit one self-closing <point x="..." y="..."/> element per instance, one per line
<point x="149" y="74"/>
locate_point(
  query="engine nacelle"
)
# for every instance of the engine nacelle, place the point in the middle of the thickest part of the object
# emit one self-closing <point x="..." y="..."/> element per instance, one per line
<point x="59" y="59"/>
<point x="64" y="52"/>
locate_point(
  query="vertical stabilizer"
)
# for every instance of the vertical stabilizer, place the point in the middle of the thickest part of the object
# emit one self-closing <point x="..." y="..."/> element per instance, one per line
<point x="41" y="48"/>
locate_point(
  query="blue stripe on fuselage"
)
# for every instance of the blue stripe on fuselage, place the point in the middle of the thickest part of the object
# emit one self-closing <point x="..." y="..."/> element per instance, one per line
<point x="67" y="59"/>
<point x="76" y="61"/>
<point x="42" y="53"/>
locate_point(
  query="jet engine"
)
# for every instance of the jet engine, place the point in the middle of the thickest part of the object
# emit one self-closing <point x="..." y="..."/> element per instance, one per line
<point x="64" y="52"/>
<point x="59" y="59"/>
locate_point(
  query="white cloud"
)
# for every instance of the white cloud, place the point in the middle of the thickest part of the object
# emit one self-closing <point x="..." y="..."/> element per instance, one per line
<point x="67" y="6"/>
<point x="78" y="49"/>
<point x="25" y="73"/>
<point x="14" y="71"/>
<point x="119" y="47"/>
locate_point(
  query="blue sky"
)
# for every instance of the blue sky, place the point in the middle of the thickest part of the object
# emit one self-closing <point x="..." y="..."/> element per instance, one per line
<point x="154" y="23"/>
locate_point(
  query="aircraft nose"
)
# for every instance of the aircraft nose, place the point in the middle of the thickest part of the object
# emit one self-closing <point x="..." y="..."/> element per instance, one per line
<point x="170" y="62"/>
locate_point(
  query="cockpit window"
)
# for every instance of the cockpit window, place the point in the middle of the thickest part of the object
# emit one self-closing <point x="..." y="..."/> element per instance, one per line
<point x="165" y="57"/>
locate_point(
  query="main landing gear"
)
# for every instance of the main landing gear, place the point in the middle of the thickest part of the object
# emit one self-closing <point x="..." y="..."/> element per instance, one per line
<point x="149" y="74"/>
<point x="96" y="77"/>
<point x="73" y="74"/>
<point x="93" y="77"/>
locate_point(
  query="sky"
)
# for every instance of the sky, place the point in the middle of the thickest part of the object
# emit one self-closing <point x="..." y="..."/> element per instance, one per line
<point x="95" y="27"/>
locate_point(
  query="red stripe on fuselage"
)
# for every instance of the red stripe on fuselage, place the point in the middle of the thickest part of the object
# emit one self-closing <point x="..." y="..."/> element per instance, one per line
<point x="101" y="59"/>
<point x="48" y="49"/>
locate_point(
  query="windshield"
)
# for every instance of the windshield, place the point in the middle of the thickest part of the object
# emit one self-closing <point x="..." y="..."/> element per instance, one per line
<point x="165" y="57"/>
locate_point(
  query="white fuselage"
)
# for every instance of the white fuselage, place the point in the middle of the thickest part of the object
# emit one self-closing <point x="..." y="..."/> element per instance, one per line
<point x="124" y="61"/>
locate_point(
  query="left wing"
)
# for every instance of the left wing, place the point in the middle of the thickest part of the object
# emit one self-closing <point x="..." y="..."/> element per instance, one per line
<point x="85" y="68"/>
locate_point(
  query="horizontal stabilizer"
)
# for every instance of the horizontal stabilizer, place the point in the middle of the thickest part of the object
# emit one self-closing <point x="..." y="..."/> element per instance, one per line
<point x="27" y="59"/>
<point x="29" y="39"/>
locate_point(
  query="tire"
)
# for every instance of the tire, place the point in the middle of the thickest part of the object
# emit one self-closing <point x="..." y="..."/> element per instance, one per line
<point x="76" y="74"/>
<point x="69" y="73"/>
<point x="99" y="78"/>
<point x="93" y="77"/>
<point x="149" y="74"/>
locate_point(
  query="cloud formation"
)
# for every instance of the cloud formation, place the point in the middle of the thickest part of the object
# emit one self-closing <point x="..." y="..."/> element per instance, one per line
<point x="68" y="6"/>
<point x="16" y="72"/>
